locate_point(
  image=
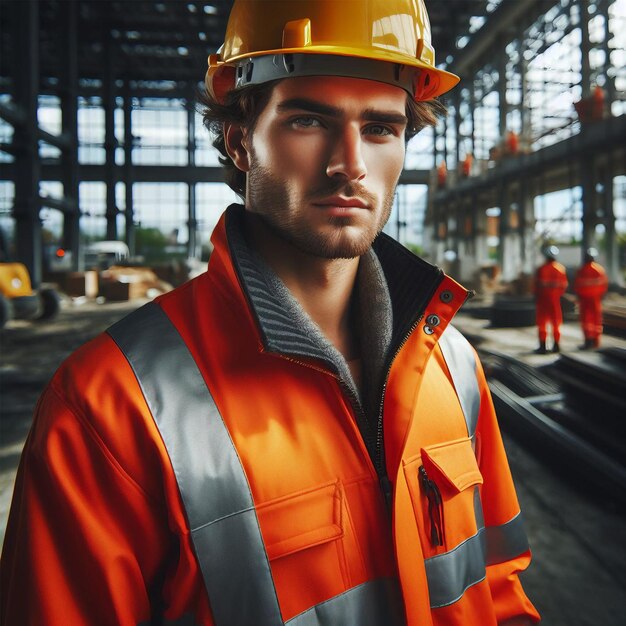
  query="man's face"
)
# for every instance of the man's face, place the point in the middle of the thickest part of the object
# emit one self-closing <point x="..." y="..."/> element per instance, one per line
<point x="324" y="160"/>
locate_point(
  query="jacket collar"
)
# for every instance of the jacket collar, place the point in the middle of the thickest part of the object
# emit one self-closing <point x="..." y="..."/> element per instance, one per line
<point x="410" y="283"/>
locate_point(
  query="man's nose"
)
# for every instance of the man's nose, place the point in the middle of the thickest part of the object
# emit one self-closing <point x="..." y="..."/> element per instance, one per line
<point x="346" y="158"/>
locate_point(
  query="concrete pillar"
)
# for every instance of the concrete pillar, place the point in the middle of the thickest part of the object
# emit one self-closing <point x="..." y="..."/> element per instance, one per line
<point x="27" y="166"/>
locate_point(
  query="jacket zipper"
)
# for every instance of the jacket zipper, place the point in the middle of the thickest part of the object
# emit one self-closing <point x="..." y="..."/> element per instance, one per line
<point x="378" y="461"/>
<point x="379" y="457"/>
<point x="435" y="508"/>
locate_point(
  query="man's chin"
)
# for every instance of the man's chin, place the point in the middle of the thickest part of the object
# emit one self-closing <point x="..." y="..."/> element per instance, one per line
<point x="339" y="248"/>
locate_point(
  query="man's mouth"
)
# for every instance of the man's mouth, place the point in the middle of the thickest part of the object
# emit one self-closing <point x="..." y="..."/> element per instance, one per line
<point x="341" y="202"/>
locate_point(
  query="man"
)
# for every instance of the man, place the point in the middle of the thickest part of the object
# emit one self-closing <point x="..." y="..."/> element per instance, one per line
<point x="590" y="285"/>
<point x="550" y="285"/>
<point x="291" y="438"/>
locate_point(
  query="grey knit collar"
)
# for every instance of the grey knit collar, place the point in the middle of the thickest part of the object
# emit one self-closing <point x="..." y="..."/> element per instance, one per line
<point x="385" y="309"/>
<point x="288" y="329"/>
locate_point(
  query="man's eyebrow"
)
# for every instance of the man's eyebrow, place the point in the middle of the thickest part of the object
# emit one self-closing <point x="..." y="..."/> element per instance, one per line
<point x="315" y="106"/>
<point x="305" y="104"/>
<point x="390" y="117"/>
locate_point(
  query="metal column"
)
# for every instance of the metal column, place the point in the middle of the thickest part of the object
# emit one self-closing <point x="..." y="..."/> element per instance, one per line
<point x="69" y="111"/>
<point x="110" y="143"/>
<point x="192" y="223"/>
<point x="587" y="162"/>
<point x="129" y="213"/>
<point x="27" y="166"/>
<point x="503" y="107"/>
<point x="585" y="48"/>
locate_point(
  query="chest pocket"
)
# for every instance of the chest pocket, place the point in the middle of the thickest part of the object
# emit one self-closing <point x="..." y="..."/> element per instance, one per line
<point x="444" y="483"/>
<point x="311" y="545"/>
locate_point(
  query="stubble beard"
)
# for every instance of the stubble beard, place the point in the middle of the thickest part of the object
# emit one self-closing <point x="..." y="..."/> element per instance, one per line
<point x="269" y="198"/>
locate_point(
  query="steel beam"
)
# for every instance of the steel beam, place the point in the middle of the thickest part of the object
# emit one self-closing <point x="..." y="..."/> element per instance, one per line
<point x="508" y="15"/>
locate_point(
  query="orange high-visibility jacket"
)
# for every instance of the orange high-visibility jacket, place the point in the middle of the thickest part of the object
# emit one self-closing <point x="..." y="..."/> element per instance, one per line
<point x="550" y="281"/>
<point x="591" y="281"/>
<point x="550" y="285"/>
<point x="207" y="462"/>
<point x="590" y="284"/>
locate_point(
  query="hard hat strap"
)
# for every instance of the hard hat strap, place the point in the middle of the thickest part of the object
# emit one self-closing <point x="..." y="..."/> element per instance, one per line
<point x="262" y="69"/>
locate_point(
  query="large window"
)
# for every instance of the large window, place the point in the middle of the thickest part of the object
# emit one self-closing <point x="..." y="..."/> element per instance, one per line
<point x="160" y="132"/>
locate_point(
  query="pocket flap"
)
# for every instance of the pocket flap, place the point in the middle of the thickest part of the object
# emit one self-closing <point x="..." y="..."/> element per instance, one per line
<point x="454" y="462"/>
<point x="301" y="520"/>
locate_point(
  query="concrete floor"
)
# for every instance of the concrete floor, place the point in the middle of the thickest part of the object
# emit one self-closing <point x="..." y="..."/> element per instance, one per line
<point x="578" y="575"/>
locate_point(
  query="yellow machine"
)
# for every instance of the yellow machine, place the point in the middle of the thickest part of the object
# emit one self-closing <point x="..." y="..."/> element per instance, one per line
<point x="19" y="300"/>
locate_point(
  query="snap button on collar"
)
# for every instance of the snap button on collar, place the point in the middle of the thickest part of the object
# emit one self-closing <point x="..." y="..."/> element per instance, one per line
<point x="433" y="320"/>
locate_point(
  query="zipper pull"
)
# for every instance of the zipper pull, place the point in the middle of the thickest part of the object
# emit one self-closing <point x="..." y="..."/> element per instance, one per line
<point x="435" y="507"/>
<point x="385" y="485"/>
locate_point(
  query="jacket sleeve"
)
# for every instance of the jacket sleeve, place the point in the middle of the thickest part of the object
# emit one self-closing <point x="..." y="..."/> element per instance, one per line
<point x="507" y="547"/>
<point x="80" y="541"/>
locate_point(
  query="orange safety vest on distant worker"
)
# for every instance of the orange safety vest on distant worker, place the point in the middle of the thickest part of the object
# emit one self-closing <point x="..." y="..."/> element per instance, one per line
<point x="590" y="285"/>
<point x="550" y="285"/>
<point x="206" y="462"/>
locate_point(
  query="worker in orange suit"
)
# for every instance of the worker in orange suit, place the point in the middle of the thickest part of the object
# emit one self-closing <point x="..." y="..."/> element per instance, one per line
<point x="299" y="435"/>
<point x="550" y="285"/>
<point x="590" y="285"/>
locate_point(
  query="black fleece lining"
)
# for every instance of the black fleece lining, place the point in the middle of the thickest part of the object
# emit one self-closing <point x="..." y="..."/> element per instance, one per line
<point x="411" y="281"/>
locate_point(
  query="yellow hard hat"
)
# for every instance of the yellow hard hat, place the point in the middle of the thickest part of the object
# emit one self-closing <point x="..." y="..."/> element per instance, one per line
<point x="384" y="40"/>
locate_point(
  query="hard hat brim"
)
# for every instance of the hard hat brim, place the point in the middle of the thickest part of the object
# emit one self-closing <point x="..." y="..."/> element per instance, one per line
<point x="441" y="81"/>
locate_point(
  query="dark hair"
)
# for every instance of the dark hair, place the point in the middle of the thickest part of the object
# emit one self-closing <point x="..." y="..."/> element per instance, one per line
<point x="244" y="106"/>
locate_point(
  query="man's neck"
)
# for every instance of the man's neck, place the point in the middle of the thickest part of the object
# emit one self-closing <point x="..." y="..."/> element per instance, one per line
<point x="323" y="287"/>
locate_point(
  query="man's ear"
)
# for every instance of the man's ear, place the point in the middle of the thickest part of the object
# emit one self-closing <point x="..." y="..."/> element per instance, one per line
<point x="236" y="144"/>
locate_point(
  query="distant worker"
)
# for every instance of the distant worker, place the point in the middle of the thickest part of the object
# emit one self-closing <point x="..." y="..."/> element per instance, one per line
<point x="550" y="285"/>
<point x="590" y="285"/>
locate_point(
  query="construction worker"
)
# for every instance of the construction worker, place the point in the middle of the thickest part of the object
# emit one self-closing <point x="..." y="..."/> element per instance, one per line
<point x="298" y="436"/>
<point x="550" y="285"/>
<point x="590" y="285"/>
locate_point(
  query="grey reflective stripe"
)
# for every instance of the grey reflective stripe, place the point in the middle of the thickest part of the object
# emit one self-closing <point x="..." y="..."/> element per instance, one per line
<point x="506" y="541"/>
<point x="461" y="363"/>
<point x="214" y="488"/>
<point x="451" y="573"/>
<point x="374" y="603"/>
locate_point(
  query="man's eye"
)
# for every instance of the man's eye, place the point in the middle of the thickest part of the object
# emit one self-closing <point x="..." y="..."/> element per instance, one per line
<point x="306" y="122"/>
<point x="379" y="130"/>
